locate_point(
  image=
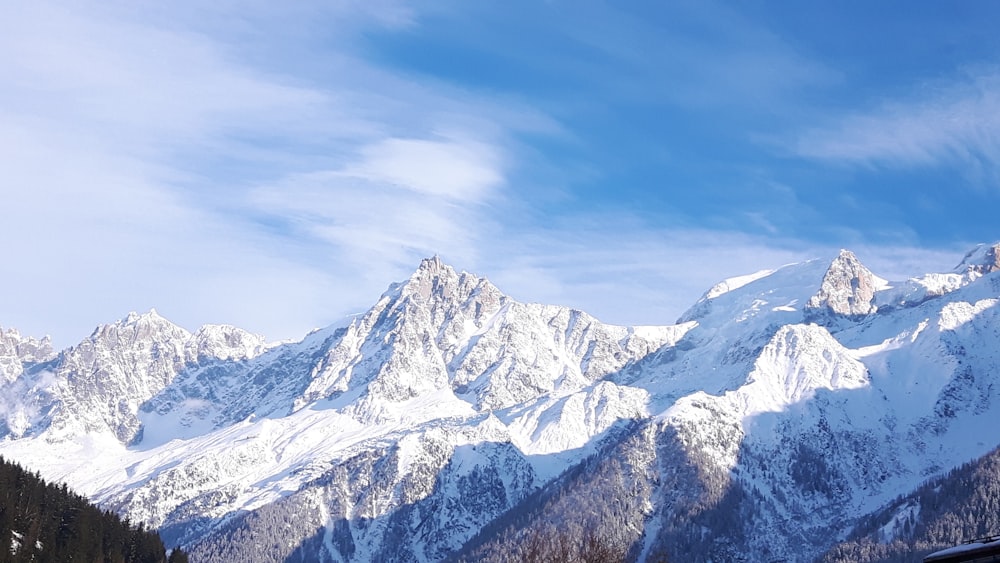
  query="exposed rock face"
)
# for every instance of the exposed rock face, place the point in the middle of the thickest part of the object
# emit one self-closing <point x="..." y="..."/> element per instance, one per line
<point x="23" y="398"/>
<point x="984" y="259"/>
<point x="108" y="375"/>
<point x="16" y="351"/>
<point x="848" y="288"/>
<point x="456" y="332"/>
<point x="224" y="342"/>
<point x="746" y="433"/>
<point x="367" y="506"/>
<point x="100" y="384"/>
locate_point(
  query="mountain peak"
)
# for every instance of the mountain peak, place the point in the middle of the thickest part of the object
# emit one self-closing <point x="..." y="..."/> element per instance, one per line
<point x="983" y="259"/>
<point x="433" y="264"/>
<point x="140" y="325"/>
<point x="433" y="268"/>
<point x="435" y="278"/>
<point x="848" y="288"/>
<point x="149" y="316"/>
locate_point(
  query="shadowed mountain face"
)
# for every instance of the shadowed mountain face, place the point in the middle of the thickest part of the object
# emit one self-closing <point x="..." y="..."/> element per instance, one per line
<point x="783" y="408"/>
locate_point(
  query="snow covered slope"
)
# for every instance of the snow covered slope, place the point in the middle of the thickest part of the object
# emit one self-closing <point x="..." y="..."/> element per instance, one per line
<point x="184" y="431"/>
<point x="802" y="397"/>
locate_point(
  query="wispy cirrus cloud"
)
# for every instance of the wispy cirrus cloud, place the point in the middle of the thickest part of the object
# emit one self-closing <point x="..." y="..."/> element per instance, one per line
<point x="159" y="161"/>
<point x="133" y="155"/>
<point x="625" y="272"/>
<point x="456" y="169"/>
<point x="256" y="164"/>
<point x="953" y="123"/>
<point x="396" y="202"/>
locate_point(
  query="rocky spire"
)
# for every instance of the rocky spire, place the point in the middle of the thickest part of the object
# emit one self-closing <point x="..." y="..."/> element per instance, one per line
<point x="848" y="288"/>
<point x="432" y="277"/>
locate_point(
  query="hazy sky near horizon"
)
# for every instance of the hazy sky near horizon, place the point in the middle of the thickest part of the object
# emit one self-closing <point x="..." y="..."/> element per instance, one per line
<point x="276" y="166"/>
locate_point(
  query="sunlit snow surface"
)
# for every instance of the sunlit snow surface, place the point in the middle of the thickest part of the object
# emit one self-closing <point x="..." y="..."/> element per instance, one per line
<point x="230" y="424"/>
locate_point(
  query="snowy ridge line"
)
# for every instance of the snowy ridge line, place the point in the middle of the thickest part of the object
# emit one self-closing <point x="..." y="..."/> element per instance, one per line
<point x="403" y="431"/>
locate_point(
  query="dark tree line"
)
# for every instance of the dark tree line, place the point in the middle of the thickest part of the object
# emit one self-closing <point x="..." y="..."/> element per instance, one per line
<point x="45" y="522"/>
<point x="958" y="507"/>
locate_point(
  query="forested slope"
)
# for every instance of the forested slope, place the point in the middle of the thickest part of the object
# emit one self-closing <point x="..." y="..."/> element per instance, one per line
<point x="42" y="522"/>
<point x="958" y="507"/>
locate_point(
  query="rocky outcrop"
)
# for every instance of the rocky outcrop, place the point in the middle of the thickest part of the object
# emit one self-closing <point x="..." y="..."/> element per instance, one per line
<point x="746" y="433"/>
<point x="456" y="332"/>
<point x="848" y="289"/>
<point x="984" y="259"/>
<point x="101" y="384"/>
<point x="16" y="351"/>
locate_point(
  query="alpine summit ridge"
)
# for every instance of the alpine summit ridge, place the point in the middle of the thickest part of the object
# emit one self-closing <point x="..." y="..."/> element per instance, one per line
<point x="784" y="414"/>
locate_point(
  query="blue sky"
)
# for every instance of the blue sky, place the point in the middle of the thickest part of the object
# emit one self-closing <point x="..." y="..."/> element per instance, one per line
<point x="277" y="167"/>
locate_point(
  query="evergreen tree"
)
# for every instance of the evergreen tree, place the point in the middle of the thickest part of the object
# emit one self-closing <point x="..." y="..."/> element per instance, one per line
<point x="44" y="522"/>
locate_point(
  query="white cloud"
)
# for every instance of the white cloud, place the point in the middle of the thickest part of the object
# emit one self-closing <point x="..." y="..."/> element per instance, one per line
<point x="149" y="163"/>
<point x="94" y="115"/>
<point x="133" y="86"/>
<point x="957" y="123"/>
<point x="458" y="169"/>
<point x="404" y="199"/>
<point x="134" y="155"/>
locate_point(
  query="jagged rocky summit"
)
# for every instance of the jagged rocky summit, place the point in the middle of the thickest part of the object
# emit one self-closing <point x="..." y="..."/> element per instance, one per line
<point x="777" y="413"/>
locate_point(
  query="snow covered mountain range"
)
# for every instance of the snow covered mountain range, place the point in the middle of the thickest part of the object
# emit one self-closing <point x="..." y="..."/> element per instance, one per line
<point x="779" y="411"/>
